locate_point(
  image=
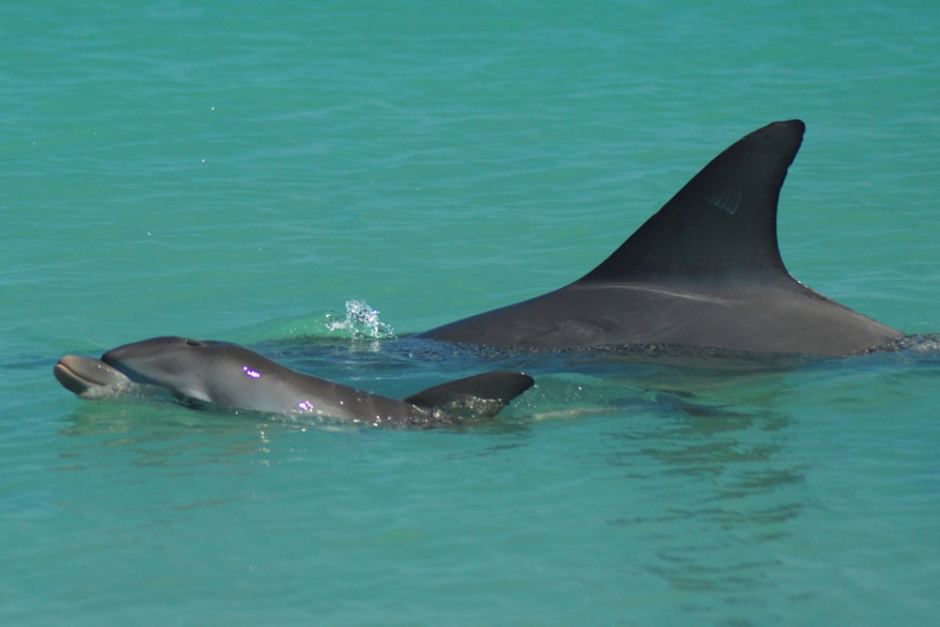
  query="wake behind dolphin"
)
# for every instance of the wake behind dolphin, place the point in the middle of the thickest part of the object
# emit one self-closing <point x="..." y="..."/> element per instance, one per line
<point x="231" y="376"/>
<point x="705" y="271"/>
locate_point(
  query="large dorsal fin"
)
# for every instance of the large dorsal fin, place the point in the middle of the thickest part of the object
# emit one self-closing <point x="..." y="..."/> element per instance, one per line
<point x="723" y="223"/>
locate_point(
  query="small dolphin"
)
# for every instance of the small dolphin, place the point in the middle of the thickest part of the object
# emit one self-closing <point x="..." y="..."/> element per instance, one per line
<point x="231" y="376"/>
<point x="705" y="271"/>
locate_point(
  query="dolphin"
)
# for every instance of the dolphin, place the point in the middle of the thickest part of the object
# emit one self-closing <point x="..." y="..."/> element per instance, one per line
<point x="226" y="375"/>
<point x="705" y="272"/>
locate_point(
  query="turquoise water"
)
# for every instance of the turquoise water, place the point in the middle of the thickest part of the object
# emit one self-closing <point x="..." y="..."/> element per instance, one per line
<point x="242" y="170"/>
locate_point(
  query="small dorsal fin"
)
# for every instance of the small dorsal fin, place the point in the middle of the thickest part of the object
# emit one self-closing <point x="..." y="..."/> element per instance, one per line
<point x="723" y="223"/>
<point x="482" y="394"/>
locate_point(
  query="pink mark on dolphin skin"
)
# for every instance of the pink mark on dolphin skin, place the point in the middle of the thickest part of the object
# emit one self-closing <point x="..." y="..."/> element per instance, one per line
<point x="254" y="374"/>
<point x="306" y="406"/>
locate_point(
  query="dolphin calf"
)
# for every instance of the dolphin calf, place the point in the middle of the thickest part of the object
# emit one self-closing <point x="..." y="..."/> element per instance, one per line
<point x="230" y="376"/>
<point x="705" y="271"/>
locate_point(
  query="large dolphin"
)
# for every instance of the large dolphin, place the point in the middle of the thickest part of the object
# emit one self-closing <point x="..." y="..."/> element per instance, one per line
<point x="231" y="376"/>
<point x="704" y="271"/>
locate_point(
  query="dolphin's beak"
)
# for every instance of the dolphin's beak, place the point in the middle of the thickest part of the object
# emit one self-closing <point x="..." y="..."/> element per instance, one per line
<point x="88" y="377"/>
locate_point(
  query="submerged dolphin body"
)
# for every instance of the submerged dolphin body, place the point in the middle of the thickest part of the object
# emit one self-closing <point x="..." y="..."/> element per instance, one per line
<point x="231" y="376"/>
<point x="705" y="271"/>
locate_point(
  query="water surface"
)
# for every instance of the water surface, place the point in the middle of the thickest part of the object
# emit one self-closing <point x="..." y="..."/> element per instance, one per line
<point x="240" y="171"/>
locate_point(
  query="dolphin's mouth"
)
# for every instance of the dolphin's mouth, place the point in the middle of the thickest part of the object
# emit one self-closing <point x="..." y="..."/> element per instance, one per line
<point x="89" y="378"/>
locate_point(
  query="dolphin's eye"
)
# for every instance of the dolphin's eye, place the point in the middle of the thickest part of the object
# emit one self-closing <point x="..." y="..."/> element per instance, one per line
<point x="193" y="343"/>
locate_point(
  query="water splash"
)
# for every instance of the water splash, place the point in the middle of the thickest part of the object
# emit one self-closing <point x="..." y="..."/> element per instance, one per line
<point x="361" y="322"/>
<point x="920" y="344"/>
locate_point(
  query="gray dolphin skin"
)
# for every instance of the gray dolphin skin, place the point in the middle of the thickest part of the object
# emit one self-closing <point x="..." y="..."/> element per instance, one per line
<point x="705" y="271"/>
<point x="230" y="376"/>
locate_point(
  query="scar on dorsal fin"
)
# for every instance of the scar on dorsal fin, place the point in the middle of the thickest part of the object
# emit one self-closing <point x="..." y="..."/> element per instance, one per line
<point x="722" y="224"/>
